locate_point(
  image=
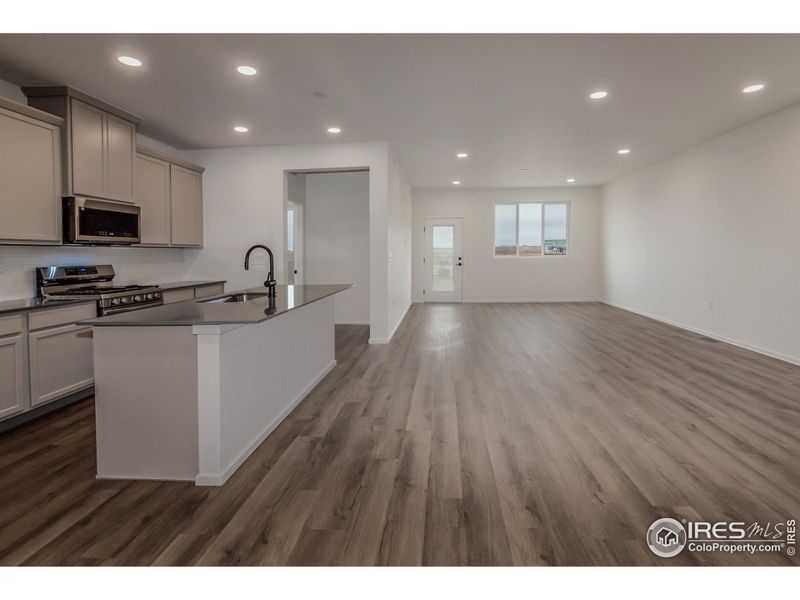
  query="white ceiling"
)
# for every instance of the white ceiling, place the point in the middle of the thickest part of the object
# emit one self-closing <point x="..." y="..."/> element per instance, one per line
<point x="511" y="101"/>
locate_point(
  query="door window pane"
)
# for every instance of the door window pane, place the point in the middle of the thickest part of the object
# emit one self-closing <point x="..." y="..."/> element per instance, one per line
<point x="530" y="229"/>
<point x="555" y="228"/>
<point x="290" y="244"/>
<point x="505" y="230"/>
<point x="443" y="263"/>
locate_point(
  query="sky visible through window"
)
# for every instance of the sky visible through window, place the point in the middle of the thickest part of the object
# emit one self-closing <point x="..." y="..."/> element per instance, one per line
<point x="505" y="226"/>
<point x="555" y="221"/>
<point x="526" y="239"/>
<point x="442" y="237"/>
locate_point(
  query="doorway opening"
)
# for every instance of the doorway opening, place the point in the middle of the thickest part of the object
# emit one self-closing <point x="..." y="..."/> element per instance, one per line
<point x="328" y="236"/>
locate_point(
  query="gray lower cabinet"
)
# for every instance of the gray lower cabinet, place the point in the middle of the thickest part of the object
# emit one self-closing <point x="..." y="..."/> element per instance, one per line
<point x="13" y="370"/>
<point x="193" y="293"/>
<point x="30" y="172"/>
<point x="206" y="291"/>
<point x="173" y="296"/>
<point x="60" y="362"/>
<point x="44" y="356"/>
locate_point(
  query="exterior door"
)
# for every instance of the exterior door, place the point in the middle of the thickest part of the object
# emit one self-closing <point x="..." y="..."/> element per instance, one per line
<point x="443" y="260"/>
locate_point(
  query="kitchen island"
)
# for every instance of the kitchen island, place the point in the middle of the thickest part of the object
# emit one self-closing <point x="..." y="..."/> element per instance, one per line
<point x="188" y="391"/>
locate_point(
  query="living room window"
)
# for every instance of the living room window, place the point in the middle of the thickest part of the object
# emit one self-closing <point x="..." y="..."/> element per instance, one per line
<point x="531" y="229"/>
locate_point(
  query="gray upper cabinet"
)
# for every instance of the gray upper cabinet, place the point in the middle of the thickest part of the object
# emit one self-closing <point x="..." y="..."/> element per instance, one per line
<point x="99" y="145"/>
<point x="152" y="195"/>
<point x="169" y="192"/>
<point x="187" y="207"/>
<point x="88" y="150"/>
<point x="30" y="172"/>
<point x="120" y="158"/>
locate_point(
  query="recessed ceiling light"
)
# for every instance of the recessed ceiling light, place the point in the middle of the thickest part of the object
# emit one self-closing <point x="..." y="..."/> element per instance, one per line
<point x="571" y="180"/>
<point x="241" y="129"/>
<point x="756" y="87"/>
<point x="598" y="95"/>
<point x="524" y="169"/>
<point x="130" y="61"/>
<point x="245" y="70"/>
<point x="456" y="182"/>
<point x="462" y="155"/>
<point x="624" y="151"/>
<point x="334" y="130"/>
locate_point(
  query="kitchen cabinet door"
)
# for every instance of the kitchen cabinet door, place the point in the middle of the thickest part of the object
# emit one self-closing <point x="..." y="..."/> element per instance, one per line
<point x="61" y="362"/>
<point x="120" y="155"/>
<point x="30" y="172"/>
<point x="153" y="196"/>
<point x="12" y="376"/>
<point x="186" y="207"/>
<point x="88" y="149"/>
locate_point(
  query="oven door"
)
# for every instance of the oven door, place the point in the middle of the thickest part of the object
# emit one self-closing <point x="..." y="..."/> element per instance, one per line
<point x="90" y="221"/>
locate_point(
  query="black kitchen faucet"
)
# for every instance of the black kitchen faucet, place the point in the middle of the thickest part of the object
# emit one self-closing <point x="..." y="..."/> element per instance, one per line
<point x="270" y="283"/>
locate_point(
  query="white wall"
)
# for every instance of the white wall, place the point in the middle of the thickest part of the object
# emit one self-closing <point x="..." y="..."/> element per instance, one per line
<point x="244" y="200"/>
<point x="575" y="277"/>
<point x="399" y="245"/>
<point x="336" y="239"/>
<point x="718" y="223"/>
<point x="132" y="265"/>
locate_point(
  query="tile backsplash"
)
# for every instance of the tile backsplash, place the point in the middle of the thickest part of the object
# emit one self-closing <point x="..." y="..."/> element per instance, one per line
<point x="132" y="265"/>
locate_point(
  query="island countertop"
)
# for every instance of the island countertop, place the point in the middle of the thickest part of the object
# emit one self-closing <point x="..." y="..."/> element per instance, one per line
<point x="193" y="312"/>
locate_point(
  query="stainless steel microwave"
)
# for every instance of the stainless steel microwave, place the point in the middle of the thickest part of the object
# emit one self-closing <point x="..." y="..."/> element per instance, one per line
<point x="92" y="221"/>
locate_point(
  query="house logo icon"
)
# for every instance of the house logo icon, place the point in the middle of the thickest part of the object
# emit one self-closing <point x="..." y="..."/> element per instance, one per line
<point x="666" y="537"/>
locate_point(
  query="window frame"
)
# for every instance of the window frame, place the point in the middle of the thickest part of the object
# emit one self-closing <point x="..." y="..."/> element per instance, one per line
<point x="516" y="204"/>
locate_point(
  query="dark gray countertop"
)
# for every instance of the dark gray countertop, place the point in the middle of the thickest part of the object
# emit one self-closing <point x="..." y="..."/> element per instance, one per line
<point x="177" y="285"/>
<point x="193" y="312"/>
<point x="28" y="304"/>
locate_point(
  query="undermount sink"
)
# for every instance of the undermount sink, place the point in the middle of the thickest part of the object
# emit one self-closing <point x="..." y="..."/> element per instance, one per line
<point x="245" y="297"/>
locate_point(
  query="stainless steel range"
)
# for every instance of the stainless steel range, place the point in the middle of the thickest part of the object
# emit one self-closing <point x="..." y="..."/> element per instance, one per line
<point x="94" y="283"/>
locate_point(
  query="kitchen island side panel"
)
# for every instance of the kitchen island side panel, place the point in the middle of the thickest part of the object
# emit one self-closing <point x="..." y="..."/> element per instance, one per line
<point x="146" y="402"/>
<point x="266" y="370"/>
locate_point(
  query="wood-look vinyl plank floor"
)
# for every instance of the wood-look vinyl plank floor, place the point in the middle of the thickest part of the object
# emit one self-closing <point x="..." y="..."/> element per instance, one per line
<point x="484" y="434"/>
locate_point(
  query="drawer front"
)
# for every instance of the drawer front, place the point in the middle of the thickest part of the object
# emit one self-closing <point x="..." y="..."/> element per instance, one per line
<point x="10" y="325"/>
<point x="206" y="291"/>
<point x="173" y="296"/>
<point x="61" y="316"/>
<point x="61" y="362"/>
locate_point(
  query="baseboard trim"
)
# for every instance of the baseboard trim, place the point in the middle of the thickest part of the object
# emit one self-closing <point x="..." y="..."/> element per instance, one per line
<point x="529" y="300"/>
<point x="386" y="340"/>
<point x="216" y="479"/>
<point x="794" y="360"/>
